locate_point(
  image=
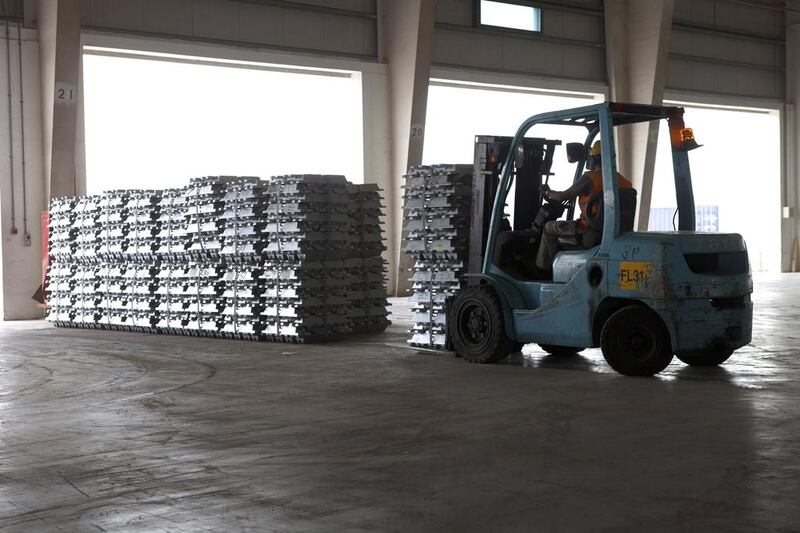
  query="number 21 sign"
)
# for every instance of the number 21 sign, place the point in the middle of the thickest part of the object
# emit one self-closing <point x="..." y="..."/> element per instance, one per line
<point x="66" y="93"/>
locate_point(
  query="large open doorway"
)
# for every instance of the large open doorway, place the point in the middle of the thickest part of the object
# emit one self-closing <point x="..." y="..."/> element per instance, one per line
<point x="736" y="177"/>
<point x="156" y="121"/>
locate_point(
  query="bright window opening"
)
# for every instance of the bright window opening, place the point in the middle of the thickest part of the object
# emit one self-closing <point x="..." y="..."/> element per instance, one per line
<point x="153" y="123"/>
<point x="510" y="15"/>
<point x="735" y="176"/>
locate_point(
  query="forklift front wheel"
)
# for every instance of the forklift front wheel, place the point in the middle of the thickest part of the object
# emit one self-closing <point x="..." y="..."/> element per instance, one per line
<point x="635" y="342"/>
<point x="477" y="326"/>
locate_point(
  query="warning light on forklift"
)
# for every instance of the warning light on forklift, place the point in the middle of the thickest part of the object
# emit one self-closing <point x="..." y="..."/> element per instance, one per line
<point x="683" y="139"/>
<point x="687" y="139"/>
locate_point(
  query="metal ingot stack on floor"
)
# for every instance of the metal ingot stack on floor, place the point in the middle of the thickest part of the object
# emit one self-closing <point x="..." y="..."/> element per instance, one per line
<point x="86" y="229"/>
<point x="187" y="298"/>
<point x="242" y="300"/>
<point x="86" y="310"/>
<point x="201" y="282"/>
<point x="114" y="226"/>
<point x="143" y="209"/>
<point x="112" y="239"/>
<point x="168" y="292"/>
<point x="305" y="273"/>
<point x="244" y="232"/>
<point x="296" y="260"/>
<point x="202" y="287"/>
<point x="61" y="247"/>
<point x="203" y="211"/>
<point x="436" y="234"/>
<point x="140" y="279"/>
<point x="112" y="292"/>
<point x="366" y="268"/>
<point x="244" y="220"/>
<point x="141" y="260"/>
<point x="172" y="238"/>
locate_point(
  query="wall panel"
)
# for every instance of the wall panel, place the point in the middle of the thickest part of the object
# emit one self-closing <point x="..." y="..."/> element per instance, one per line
<point x="338" y="27"/>
<point x="724" y="47"/>
<point x="570" y="46"/>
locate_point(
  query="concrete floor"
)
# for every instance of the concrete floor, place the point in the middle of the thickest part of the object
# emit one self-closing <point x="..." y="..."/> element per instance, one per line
<point x="129" y="432"/>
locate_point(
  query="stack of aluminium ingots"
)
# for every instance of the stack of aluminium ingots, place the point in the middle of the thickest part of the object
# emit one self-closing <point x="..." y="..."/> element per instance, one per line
<point x="366" y="267"/>
<point x="203" y="210"/>
<point x="113" y="219"/>
<point x="86" y="310"/>
<point x="200" y="283"/>
<point x="144" y="226"/>
<point x="61" y="270"/>
<point x="171" y="236"/>
<point x="305" y="272"/>
<point x="142" y="285"/>
<point x="168" y="297"/>
<point x="436" y="233"/>
<point x="187" y="294"/>
<point x="142" y="264"/>
<point x="169" y="260"/>
<point x="244" y="225"/>
<point x="244" y="221"/>
<point x="202" y="286"/>
<point x="297" y="259"/>
<point x="86" y="229"/>
<point x="114" y="226"/>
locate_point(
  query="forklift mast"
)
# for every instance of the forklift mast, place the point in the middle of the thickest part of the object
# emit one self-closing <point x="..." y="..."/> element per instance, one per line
<point x="531" y="171"/>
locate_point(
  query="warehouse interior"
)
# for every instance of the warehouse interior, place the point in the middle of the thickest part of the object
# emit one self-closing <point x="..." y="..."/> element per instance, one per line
<point x="312" y="392"/>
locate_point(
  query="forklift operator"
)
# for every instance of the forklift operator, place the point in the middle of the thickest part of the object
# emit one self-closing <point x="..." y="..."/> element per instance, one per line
<point x="585" y="188"/>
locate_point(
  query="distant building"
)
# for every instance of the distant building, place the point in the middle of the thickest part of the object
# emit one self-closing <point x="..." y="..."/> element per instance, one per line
<point x="706" y="217"/>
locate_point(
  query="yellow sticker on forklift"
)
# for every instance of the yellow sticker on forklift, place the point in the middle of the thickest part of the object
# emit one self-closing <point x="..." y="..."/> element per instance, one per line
<point x="633" y="272"/>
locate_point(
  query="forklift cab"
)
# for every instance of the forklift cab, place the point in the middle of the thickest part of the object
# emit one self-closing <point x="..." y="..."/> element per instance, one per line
<point x="640" y="296"/>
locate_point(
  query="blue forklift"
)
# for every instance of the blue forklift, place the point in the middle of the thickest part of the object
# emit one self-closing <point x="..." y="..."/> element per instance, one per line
<point x="642" y="297"/>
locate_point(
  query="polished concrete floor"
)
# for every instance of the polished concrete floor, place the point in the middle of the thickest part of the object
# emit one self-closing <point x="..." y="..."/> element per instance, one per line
<point x="104" y="431"/>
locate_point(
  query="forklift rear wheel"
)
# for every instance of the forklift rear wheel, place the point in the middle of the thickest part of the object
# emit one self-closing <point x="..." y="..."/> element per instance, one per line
<point x="477" y="326"/>
<point x="635" y="342"/>
<point x="712" y="356"/>
<point x="560" y="351"/>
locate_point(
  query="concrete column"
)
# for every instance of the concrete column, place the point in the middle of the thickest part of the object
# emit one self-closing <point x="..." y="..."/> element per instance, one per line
<point x="407" y="34"/>
<point x="637" y="46"/>
<point x="59" y="23"/>
<point x="377" y="156"/>
<point x="25" y="197"/>
<point x="790" y="186"/>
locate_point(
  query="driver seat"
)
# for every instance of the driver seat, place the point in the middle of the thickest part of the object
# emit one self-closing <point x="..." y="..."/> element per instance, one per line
<point x="627" y="203"/>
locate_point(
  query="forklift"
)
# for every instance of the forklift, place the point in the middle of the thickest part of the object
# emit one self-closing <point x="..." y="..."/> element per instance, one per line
<point x="642" y="297"/>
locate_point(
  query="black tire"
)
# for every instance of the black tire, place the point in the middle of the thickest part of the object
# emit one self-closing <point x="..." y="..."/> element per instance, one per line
<point x="477" y="326"/>
<point x="712" y="356"/>
<point x="560" y="351"/>
<point x="635" y="342"/>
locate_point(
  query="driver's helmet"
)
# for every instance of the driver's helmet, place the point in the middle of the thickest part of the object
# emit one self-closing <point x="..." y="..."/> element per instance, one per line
<point x="594" y="156"/>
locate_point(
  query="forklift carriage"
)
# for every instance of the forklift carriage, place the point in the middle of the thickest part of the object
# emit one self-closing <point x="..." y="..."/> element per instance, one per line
<point x="642" y="297"/>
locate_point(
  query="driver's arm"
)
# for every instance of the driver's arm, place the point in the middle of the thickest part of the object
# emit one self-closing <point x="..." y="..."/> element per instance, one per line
<point x="582" y="186"/>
